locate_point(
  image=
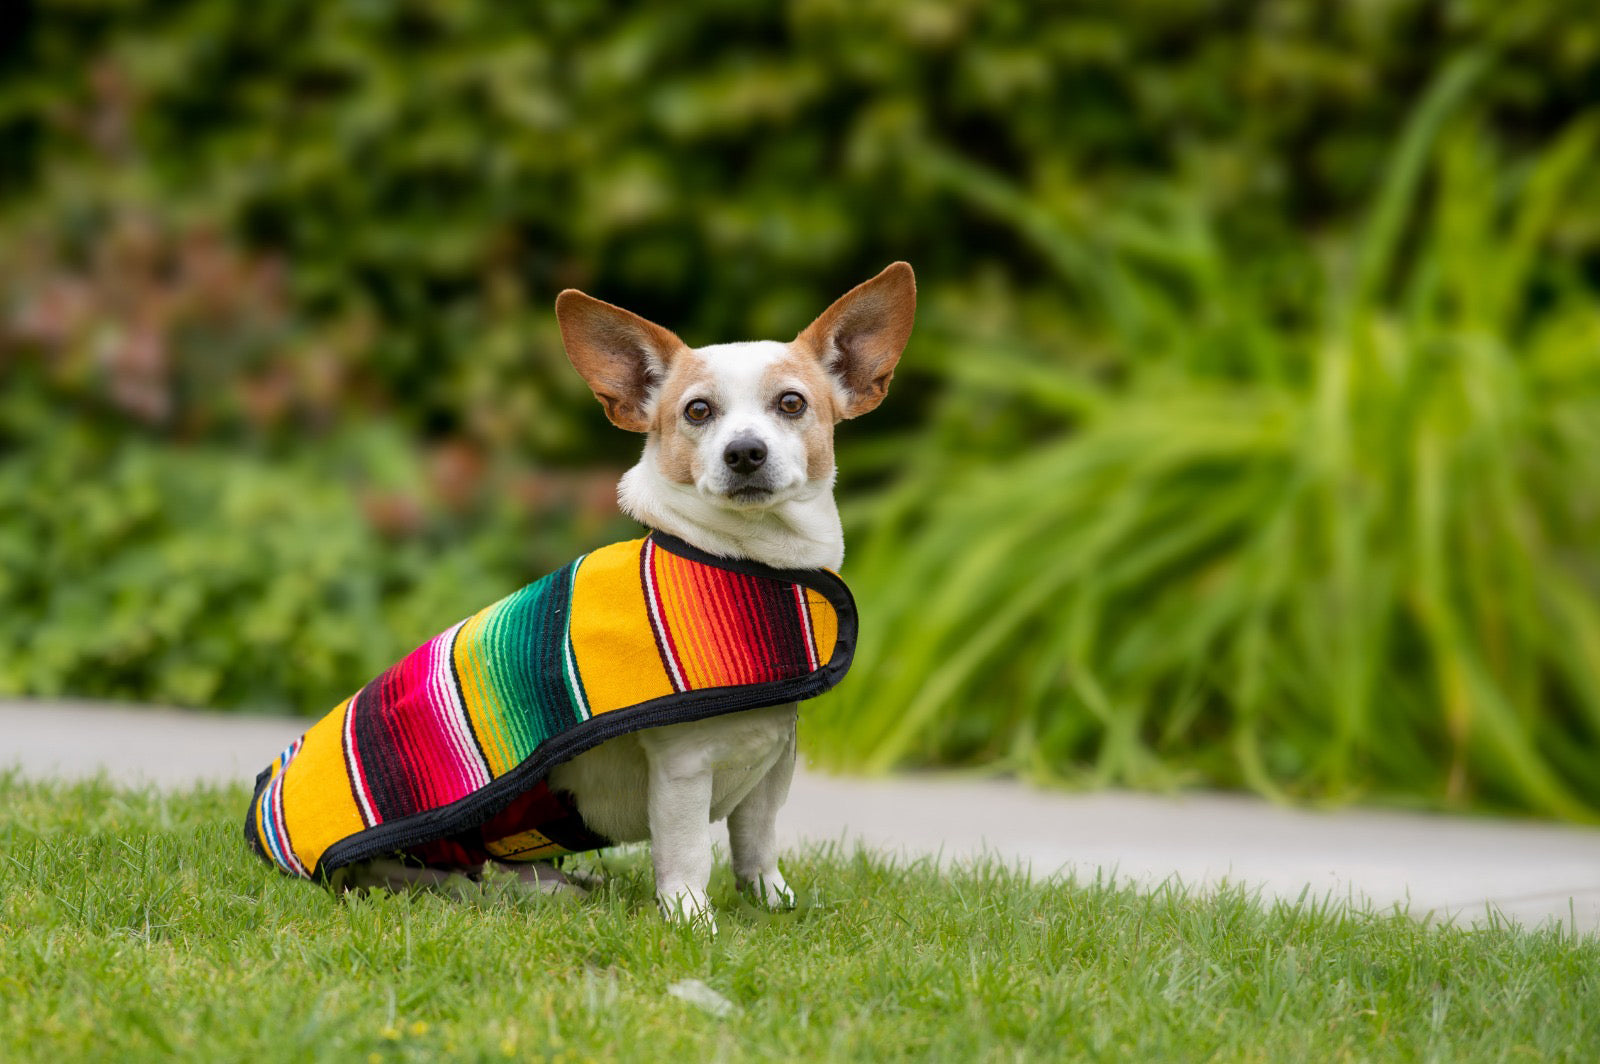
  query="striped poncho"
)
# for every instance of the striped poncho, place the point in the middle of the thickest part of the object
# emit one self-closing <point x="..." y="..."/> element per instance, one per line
<point x="444" y="755"/>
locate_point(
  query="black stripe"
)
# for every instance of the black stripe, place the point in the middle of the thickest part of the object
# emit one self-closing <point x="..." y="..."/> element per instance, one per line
<point x="352" y="758"/>
<point x="787" y="642"/>
<point x="582" y="707"/>
<point x="400" y="726"/>
<point x="374" y="735"/>
<point x="251" y="833"/>
<point x="816" y="579"/>
<point x="546" y="663"/>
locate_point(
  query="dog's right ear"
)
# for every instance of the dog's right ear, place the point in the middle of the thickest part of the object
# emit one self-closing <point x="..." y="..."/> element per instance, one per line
<point x="622" y="356"/>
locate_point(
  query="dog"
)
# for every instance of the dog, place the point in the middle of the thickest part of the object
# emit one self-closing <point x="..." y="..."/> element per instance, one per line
<point x="738" y="461"/>
<point x="738" y="464"/>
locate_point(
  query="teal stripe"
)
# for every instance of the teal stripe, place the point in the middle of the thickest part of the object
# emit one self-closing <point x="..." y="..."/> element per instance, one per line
<point x="523" y="645"/>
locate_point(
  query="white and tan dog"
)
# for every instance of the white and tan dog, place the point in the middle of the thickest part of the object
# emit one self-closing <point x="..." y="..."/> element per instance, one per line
<point x="738" y="461"/>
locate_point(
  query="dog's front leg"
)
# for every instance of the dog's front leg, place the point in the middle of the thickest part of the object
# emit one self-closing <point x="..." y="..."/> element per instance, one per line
<point x="753" y="834"/>
<point x="680" y="832"/>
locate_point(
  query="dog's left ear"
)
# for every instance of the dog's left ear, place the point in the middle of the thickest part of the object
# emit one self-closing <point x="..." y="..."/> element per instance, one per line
<point x="860" y="337"/>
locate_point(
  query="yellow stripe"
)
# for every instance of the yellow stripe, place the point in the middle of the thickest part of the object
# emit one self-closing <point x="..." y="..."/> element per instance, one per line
<point x="319" y="807"/>
<point x="824" y="625"/>
<point x="612" y="640"/>
<point x="478" y="696"/>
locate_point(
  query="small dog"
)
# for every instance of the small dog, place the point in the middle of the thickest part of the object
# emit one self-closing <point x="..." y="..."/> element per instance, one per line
<point x="738" y="462"/>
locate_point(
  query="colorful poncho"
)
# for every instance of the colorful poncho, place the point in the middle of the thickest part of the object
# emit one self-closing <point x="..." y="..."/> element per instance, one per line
<point x="444" y="756"/>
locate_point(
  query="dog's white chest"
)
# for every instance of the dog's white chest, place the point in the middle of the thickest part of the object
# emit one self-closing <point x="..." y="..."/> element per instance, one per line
<point x="610" y="784"/>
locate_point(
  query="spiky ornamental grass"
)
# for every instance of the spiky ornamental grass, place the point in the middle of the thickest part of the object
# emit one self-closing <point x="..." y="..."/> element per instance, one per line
<point x="1330" y="546"/>
<point x="136" y="926"/>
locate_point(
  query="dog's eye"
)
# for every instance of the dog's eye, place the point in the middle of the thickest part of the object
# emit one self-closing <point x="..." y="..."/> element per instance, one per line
<point x="697" y="410"/>
<point x="792" y="403"/>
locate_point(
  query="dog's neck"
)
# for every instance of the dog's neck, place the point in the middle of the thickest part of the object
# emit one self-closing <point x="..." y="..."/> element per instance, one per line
<point x="802" y="533"/>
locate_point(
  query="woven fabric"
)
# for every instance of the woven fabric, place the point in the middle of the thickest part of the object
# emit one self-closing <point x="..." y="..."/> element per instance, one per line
<point x="429" y="756"/>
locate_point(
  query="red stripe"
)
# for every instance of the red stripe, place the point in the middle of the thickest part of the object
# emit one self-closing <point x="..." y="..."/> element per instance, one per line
<point x="706" y="599"/>
<point x="415" y="751"/>
<point x="699" y="636"/>
<point x="737" y="642"/>
<point x="762" y="641"/>
<point x="441" y="779"/>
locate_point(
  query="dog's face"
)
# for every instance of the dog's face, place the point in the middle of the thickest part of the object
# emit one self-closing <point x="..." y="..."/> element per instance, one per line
<point x="747" y="426"/>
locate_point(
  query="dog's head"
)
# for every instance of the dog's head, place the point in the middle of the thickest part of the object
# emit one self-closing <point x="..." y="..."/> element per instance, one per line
<point x="746" y="425"/>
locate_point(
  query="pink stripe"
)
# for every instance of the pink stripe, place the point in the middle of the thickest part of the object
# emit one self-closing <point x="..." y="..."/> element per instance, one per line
<point x="472" y="770"/>
<point x="420" y="731"/>
<point x="452" y="758"/>
<point x="440" y="695"/>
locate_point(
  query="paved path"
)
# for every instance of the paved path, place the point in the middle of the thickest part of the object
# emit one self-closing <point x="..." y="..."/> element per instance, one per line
<point x="1448" y="866"/>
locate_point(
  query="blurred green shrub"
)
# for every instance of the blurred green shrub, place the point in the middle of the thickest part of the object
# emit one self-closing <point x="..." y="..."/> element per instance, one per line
<point x="1347" y="551"/>
<point x="210" y="577"/>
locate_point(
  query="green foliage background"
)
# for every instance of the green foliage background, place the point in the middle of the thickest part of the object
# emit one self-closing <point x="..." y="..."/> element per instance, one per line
<point x="1309" y="284"/>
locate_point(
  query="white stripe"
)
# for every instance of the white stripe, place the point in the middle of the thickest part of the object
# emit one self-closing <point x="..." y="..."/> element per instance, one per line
<point x="573" y="678"/>
<point x="274" y="798"/>
<point x="269" y="825"/>
<point x="283" y="830"/>
<point x="459" y="728"/>
<point x="368" y="817"/>
<point x="805" y="627"/>
<point x="269" y="812"/>
<point x="652" y="597"/>
<point x="577" y="686"/>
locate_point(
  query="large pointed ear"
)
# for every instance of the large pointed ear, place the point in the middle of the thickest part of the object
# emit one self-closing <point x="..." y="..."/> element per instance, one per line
<point x="860" y="337"/>
<point x="622" y="356"/>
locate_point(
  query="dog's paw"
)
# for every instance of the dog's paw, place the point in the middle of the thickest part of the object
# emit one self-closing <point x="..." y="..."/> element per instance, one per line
<point x="688" y="907"/>
<point x="769" y="890"/>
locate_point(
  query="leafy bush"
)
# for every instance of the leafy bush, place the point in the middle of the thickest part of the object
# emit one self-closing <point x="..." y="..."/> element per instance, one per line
<point x="212" y="578"/>
<point x="1348" y="552"/>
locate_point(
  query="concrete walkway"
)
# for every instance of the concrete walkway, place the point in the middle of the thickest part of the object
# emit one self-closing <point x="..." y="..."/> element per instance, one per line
<point x="1450" y="867"/>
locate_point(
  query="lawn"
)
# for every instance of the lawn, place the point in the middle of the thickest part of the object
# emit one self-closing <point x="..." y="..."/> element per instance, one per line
<point x="135" y="925"/>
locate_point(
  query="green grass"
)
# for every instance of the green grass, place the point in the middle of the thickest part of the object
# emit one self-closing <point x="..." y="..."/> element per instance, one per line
<point x="134" y="925"/>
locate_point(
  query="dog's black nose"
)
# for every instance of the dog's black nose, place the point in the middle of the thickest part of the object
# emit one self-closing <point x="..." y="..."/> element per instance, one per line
<point x="745" y="454"/>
